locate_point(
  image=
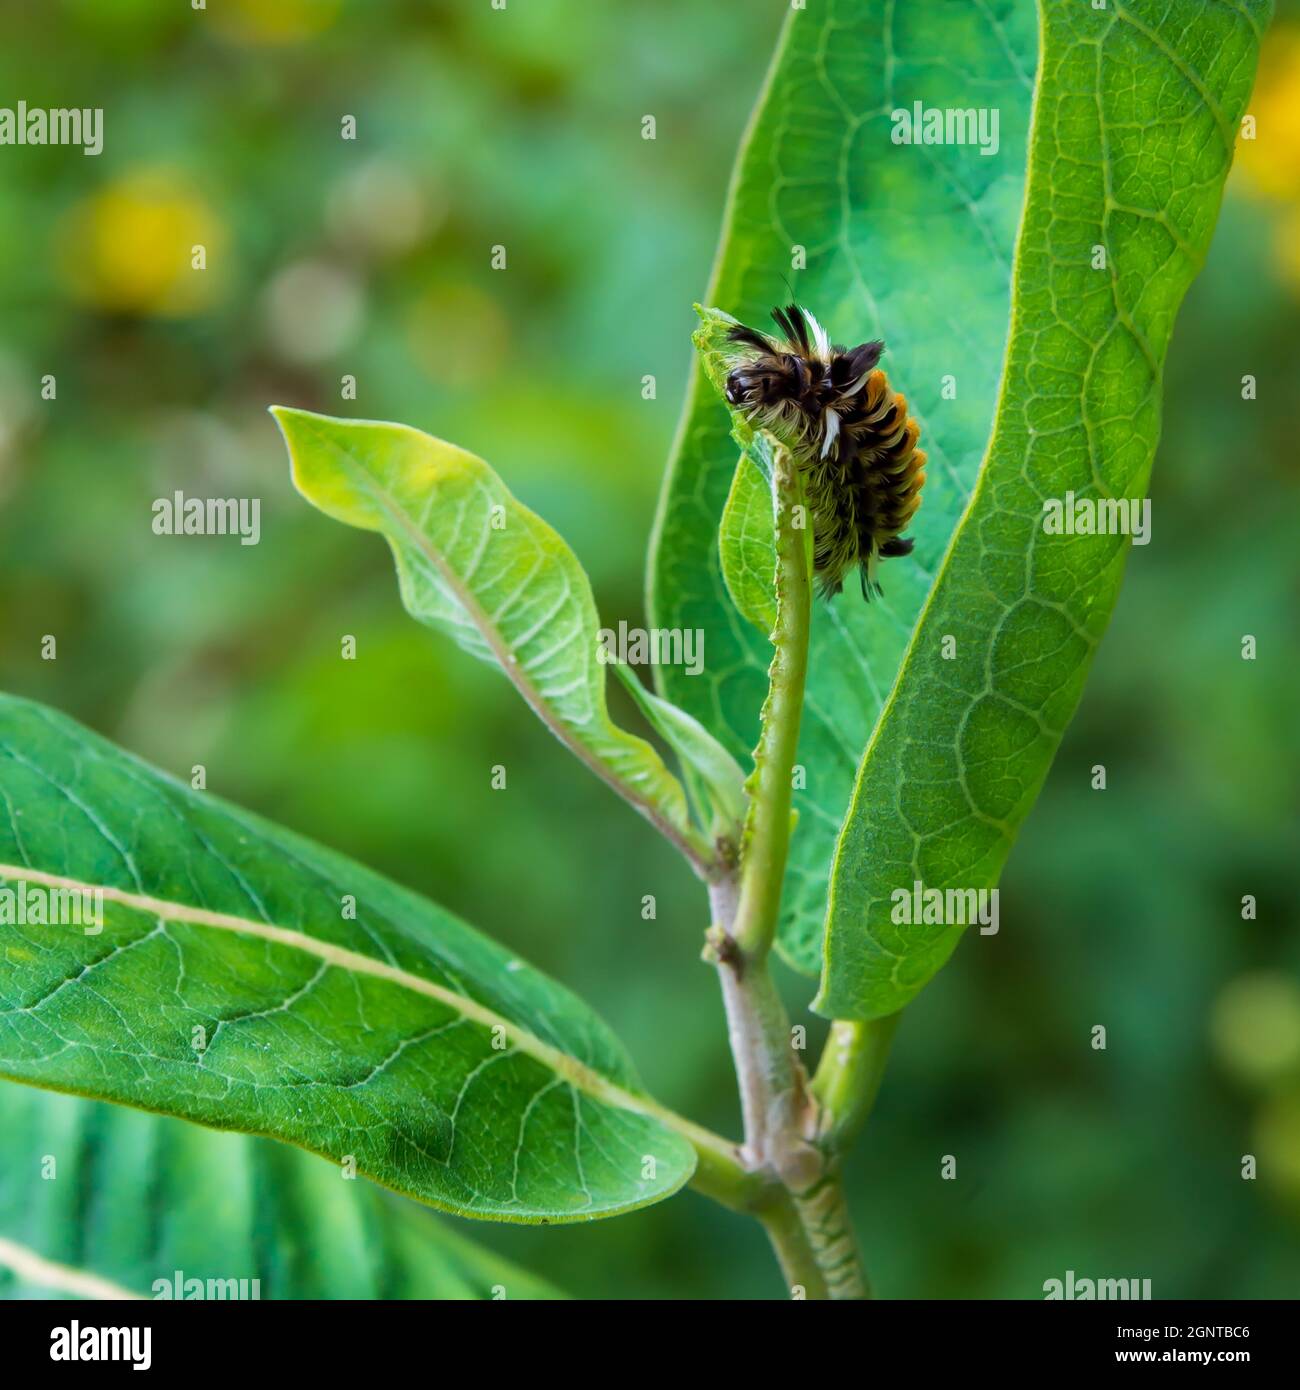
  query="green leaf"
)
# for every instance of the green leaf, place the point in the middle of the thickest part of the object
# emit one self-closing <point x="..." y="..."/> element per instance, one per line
<point x="745" y="545"/>
<point x="717" y="783"/>
<point x="475" y="564"/>
<point x="1136" y="117"/>
<point x="911" y="244"/>
<point x="99" y="1201"/>
<point x="250" y="980"/>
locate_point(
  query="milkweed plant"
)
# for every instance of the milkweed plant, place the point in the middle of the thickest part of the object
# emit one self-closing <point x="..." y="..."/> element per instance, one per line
<point x="986" y="238"/>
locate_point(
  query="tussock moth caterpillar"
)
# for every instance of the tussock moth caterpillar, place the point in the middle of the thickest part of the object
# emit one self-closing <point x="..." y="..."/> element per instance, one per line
<point x="849" y="432"/>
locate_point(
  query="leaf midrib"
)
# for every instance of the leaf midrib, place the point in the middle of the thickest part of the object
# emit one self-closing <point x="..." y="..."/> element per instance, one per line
<point x="31" y="1267"/>
<point x="509" y="663"/>
<point x="564" y="1065"/>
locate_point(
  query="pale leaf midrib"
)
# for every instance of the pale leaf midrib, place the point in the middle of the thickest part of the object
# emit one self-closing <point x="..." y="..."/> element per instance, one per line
<point x="567" y="732"/>
<point x="563" y="1064"/>
<point x="34" y="1268"/>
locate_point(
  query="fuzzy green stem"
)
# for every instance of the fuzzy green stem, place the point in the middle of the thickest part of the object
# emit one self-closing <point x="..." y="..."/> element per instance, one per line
<point x="769" y="1075"/>
<point x="794" y="1252"/>
<point x="719" y="1172"/>
<point x="813" y="1239"/>
<point x="824" y="1216"/>
<point x="767" y="826"/>
<point x="807" y="1219"/>
<point x="849" y="1075"/>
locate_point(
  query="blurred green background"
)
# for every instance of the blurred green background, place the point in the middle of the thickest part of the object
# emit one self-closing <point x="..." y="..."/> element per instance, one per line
<point x="371" y="258"/>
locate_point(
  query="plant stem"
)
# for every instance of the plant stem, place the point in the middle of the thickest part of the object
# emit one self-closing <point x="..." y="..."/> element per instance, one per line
<point x="770" y="1078"/>
<point x="824" y="1216"/>
<point x="794" y="1251"/>
<point x="767" y="827"/>
<point x="719" y="1171"/>
<point x="849" y="1075"/>
<point x="807" y="1219"/>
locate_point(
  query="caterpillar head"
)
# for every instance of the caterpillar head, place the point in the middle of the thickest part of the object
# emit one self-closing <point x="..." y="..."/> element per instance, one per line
<point x="794" y="386"/>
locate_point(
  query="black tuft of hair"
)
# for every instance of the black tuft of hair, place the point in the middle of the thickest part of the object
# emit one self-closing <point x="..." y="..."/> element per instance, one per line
<point x="792" y="323"/>
<point x="864" y="357"/>
<point x="750" y="338"/>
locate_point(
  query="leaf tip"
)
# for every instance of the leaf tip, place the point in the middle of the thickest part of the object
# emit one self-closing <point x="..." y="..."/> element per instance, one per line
<point x="293" y="420"/>
<point x="293" y="424"/>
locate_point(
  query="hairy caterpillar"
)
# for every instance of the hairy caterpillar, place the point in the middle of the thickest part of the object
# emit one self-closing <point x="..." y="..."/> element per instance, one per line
<point x="849" y="433"/>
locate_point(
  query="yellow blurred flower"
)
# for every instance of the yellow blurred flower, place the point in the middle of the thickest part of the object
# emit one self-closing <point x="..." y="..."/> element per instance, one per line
<point x="1255" y="1026"/>
<point x="1286" y="246"/>
<point x="130" y="248"/>
<point x="1277" y="1144"/>
<point x="274" y="21"/>
<point x="1271" y="161"/>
